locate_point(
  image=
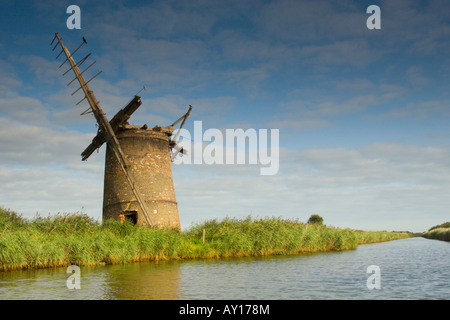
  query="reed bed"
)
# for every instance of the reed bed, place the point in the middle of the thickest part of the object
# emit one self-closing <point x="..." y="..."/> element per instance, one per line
<point x="438" y="234"/>
<point x="68" y="239"/>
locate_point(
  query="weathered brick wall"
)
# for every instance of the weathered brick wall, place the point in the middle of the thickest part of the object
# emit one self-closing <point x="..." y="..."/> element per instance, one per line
<point x="148" y="154"/>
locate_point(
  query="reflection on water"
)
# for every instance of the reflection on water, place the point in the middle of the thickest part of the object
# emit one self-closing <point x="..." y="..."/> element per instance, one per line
<point x="151" y="280"/>
<point x="413" y="268"/>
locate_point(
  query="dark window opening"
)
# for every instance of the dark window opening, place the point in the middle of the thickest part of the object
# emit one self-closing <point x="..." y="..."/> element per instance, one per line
<point x="131" y="216"/>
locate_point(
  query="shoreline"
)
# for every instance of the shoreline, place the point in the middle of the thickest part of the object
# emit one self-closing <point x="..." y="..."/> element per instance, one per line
<point x="442" y="234"/>
<point x="76" y="239"/>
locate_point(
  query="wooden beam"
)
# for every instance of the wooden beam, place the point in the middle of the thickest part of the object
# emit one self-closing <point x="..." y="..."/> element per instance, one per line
<point x="105" y="126"/>
<point x="120" y="118"/>
<point x="182" y="124"/>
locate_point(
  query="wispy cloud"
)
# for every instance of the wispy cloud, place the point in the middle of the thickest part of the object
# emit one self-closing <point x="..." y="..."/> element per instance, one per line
<point x="357" y="188"/>
<point x="39" y="145"/>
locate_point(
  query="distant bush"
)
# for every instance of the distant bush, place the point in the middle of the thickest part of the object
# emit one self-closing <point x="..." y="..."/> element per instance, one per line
<point x="315" y="219"/>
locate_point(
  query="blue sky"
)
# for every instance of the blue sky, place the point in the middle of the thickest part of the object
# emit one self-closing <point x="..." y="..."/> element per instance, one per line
<point x="363" y="114"/>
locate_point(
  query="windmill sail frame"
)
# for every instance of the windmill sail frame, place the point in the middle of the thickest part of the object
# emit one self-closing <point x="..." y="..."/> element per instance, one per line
<point x="104" y="125"/>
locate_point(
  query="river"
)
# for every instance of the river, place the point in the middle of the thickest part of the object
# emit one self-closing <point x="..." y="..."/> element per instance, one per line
<point x="413" y="268"/>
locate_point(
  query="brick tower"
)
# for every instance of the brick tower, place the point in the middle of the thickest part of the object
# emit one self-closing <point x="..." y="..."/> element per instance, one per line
<point x="149" y="161"/>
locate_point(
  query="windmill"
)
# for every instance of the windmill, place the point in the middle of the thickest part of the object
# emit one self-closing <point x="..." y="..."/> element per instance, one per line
<point x="138" y="177"/>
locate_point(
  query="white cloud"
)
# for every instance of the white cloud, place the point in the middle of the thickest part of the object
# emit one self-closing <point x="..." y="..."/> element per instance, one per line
<point x="8" y="79"/>
<point x="378" y="186"/>
<point x="293" y="124"/>
<point x="25" y="109"/>
<point x="311" y="20"/>
<point x="41" y="171"/>
<point x="23" y="144"/>
<point x="423" y="27"/>
<point x="354" y="53"/>
<point x="44" y="190"/>
<point x="414" y="75"/>
<point x="416" y="110"/>
<point x="45" y="71"/>
<point x="320" y="110"/>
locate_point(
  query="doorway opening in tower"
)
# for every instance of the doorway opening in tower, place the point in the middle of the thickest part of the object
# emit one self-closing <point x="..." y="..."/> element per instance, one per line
<point x="131" y="215"/>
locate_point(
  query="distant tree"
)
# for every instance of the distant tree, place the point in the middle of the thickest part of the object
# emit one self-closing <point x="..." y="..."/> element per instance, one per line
<point x="316" y="219"/>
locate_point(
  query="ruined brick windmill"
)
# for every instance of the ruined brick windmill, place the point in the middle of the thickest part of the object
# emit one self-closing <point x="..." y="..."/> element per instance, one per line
<point x="138" y="182"/>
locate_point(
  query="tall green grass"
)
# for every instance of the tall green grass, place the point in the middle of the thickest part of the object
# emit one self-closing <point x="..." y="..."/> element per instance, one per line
<point x="438" y="234"/>
<point x="77" y="239"/>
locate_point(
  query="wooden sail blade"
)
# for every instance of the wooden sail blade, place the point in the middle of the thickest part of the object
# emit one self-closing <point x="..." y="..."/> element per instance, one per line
<point x="88" y="110"/>
<point x="182" y="124"/>
<point x="81" y="73"/>
<point x="72" y="54"/>
<point x="86" y="82"/>
<point x="57" y="43"/>
<point x="54" y="38"/>
<point x="79" y="63"/>
<point x="59" y="54"/>
<point x="105" y="126"/>
<point x="120" y="118"/>
<point x="183" y="117"/>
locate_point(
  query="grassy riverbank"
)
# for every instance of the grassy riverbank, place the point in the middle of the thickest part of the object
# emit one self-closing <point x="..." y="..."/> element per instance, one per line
<point x="439" y="232"/>
<point x="78" y="239"/>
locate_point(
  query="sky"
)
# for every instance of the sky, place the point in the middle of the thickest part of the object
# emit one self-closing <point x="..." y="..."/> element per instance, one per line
<point x="362" y="114"/>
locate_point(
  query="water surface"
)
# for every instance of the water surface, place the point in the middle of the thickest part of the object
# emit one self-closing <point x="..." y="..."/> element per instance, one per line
<point x="414" y="268"/>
